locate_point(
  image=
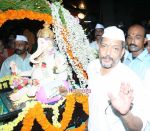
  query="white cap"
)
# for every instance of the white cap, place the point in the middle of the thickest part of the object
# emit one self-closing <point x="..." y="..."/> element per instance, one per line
<point x="21" y="38"/>
<point x="114" y="33"/>
<point x="99" y="26"/>
<point x="148" y="36"/>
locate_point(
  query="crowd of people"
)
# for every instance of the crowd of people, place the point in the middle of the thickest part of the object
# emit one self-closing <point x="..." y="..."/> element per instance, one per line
<point x="118" y="78"/>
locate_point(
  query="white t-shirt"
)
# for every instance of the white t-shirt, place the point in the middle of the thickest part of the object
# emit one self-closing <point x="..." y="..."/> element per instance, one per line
<point x="101" y="114"/>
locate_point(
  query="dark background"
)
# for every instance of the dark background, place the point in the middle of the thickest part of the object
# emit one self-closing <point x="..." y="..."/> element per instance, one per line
<point x="113" y="12"/>
<point x="121" y="13"/>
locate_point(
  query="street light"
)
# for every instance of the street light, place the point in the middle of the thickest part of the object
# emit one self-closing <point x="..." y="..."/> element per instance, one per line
<point x="82" y="5"/>
<point x="81" y="16"/>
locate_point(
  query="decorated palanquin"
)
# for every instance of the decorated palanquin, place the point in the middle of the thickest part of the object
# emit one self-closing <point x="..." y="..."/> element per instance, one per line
<point x="48" y="97"/>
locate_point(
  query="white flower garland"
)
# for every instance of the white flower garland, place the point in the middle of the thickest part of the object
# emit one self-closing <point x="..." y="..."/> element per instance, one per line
<point x="57" y="28"/>
<point x="55" y="112"/>
<point x="76" y="37"/>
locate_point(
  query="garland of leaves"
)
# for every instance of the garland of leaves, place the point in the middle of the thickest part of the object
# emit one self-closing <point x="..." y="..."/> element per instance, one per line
<point x="38" y="6"/>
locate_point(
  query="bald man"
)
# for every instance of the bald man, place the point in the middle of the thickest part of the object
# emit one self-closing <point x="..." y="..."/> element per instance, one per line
<point x="139" y="58"/>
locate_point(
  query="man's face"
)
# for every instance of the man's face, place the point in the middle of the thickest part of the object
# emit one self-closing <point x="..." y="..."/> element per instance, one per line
<point x="20" y="47"/>
<point x="110" y="52"/>
<point x="98" y="33"/>
<point x="136" y="39"/>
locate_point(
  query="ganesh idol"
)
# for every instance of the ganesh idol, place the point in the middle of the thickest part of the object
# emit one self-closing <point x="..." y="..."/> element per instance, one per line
<point x="48" y="81"/>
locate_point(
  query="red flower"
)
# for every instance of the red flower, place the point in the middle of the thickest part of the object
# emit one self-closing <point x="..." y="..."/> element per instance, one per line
<point x="43" y="65"/>
<point x="19" y="87"/>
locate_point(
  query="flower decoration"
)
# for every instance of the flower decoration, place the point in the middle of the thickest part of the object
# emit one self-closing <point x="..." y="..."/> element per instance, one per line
<point x="72" y="44"/>
<point x="19" y="82"/>
<point x="69" y="36"/>
<point x="21" y="14"/>
<point x="34" y="110"/>
<point x="71" y="41"/>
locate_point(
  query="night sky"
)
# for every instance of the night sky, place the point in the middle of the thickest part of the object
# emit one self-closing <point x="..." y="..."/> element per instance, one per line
<point x="138" y="10"/>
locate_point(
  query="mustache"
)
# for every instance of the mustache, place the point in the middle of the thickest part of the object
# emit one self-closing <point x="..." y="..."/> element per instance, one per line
<point x="133" y="45"/>
<point x="16" y="50"/>
<point x="97" y="35"/>
<point x="107" y="57"/>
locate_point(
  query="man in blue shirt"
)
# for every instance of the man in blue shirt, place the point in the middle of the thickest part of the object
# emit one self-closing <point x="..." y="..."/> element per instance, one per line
<point x="138" y="59"/>
<point x="20" y="58"/>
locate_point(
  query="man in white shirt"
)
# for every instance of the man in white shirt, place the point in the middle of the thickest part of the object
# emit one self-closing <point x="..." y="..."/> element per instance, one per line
<point x="20" y="59"/>
<point x="116" y="99"/>
<point x="99" y="30"/>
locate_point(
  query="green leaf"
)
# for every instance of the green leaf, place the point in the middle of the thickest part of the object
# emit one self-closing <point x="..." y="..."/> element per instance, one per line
<point x="62" y="17"/>
<point x="34" y="5"/>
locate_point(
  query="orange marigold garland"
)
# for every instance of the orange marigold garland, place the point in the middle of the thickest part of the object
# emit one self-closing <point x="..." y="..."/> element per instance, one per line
<point x="37" y="112"/>
<point x="42" y="120"/>
<point x="29" y="119"/>
<point x="21" y="14"/>
<point x="83" y="99"/>
<point x="69" y="52"/>
<point x="67" y="115"/>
